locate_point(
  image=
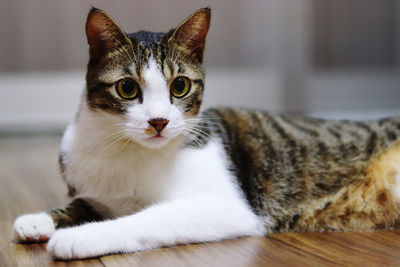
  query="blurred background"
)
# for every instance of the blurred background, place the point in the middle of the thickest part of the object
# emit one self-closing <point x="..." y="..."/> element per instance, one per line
<point x="333" y="58"/>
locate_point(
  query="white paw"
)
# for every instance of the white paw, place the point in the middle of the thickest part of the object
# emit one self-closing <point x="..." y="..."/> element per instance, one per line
<point x="34" y="227"/>
<point x="78" y="243"/>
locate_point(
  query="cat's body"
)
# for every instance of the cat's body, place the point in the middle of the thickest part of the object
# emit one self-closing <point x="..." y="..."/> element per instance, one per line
<point x="148" y="170"/>
<point x="310" y="174"/>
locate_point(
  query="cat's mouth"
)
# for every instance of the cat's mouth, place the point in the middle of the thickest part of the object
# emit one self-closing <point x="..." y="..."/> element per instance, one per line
<point x="155" y="141"/>
<point x="157" y="136"/>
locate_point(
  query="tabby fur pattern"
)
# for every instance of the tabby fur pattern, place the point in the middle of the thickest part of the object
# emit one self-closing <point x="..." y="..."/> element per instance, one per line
<point x="153" y="170"/>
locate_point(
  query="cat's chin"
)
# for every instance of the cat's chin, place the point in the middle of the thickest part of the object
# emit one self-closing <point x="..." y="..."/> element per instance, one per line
<point x="155" y="142"/>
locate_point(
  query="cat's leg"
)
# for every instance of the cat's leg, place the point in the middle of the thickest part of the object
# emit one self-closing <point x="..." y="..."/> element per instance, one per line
<point x="166" y="224"/>
<point x="40" y="226"/>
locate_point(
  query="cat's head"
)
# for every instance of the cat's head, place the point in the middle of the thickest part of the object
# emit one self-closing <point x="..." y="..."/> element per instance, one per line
<point x="149" y="84"/>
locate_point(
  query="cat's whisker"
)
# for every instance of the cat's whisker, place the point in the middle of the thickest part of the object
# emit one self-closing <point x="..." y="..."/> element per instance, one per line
<point x="198" y="141"/>
<point x="103" y="145"/>
<point x="134" y="131"/>
<point x="198" y="131"/>
<point x="198" y="127"/>
<point x="193" y="138"/>
<point x="118" y="132"/>
<point x="203" y="117"/>
<point x="127" y="142"/>
<point x="194" y="133"/>
<point x="103" y="140"/>
<point x="204" y="124"/>
<point x="112" y="127"/>
<point x="110" y="141"/>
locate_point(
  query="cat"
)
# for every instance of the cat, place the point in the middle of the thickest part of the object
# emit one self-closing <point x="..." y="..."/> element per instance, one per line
<point x="145" y="168"/>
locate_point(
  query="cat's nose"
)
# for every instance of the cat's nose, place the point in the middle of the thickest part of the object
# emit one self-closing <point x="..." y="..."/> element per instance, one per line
<point x="158" y="123"/>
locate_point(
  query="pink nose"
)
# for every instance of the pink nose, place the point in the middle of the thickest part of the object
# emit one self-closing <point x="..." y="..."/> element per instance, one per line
<point x="158" y="123"/>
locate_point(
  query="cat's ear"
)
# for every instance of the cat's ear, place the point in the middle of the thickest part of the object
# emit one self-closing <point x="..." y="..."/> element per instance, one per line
<point x="191" y="34"/>
<point x="103" y="34"/>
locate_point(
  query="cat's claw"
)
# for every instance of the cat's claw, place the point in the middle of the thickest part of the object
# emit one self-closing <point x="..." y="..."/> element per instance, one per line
<point x="37" y="227"/>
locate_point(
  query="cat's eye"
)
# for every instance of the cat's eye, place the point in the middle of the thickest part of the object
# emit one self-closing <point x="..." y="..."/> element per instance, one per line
<point x="180" y="86"/>
<point x="127" y="88"/>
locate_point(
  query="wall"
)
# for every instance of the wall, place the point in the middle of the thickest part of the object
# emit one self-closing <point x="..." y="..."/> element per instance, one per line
<point x="303" y="56"/>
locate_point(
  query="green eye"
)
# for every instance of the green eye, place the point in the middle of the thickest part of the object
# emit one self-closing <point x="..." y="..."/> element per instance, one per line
<point x="127" y="88"/>
<point x="180" y="86"/>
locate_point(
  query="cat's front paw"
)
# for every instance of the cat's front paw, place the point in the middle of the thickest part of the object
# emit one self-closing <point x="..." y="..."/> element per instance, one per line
<point x="77" y="243"/>
<point x="37" y="227"/>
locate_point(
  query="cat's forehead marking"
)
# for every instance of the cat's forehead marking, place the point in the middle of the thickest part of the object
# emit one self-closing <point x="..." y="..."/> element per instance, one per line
<point x="152" y="74"/>
<point x="152" y="69"/>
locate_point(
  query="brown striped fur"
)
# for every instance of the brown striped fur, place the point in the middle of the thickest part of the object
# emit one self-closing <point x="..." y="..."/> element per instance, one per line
<point x="311" y="174"/>
<point x="176" y="52"/>
<point x="366" y="204"/>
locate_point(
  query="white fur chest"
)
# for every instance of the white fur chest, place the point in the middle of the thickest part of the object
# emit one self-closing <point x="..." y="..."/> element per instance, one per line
<point x="117" y="173"/>
<point x="127" y="177"/>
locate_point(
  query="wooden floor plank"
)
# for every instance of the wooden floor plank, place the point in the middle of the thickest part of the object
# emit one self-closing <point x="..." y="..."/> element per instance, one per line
<point x="373" y="248"/>
<point x="249" y="251"/>
<point x="30" y="182"/>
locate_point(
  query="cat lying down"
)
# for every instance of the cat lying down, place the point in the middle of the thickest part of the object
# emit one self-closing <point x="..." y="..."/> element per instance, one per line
<point x="146" y="168"/>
